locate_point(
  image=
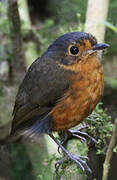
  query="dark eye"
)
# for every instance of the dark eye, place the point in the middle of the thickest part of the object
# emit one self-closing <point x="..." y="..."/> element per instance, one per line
<point x="74" y="50"/>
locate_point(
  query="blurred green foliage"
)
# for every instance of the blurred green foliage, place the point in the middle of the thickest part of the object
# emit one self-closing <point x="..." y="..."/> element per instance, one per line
<point x="111" y="26"/>
<point x="65" y="12"/>
<point x="110" y="36"/>
<point x="20" y="163"/>
<point x="111" y="82"/>
<point x="4" y="23"/>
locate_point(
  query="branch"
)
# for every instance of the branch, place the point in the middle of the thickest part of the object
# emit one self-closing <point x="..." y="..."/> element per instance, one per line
<point x="17" y="56"/>
<point x="110" y="152"/>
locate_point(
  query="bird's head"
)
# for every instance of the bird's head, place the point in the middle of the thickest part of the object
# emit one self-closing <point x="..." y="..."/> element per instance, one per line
<point x="74" y="47"/>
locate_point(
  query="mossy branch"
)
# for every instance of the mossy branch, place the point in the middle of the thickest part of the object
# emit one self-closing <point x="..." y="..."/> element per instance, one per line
<point x="110" y="152"/>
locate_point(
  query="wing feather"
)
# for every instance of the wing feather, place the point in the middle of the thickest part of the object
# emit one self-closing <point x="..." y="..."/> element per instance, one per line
<point x="44" y="84"/>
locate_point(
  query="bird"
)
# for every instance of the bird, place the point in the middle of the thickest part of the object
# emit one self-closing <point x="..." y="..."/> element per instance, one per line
<point x="60" y="89"/>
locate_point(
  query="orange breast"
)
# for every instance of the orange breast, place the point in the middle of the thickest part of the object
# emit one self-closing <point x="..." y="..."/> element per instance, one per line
<point x="82" y="97"/>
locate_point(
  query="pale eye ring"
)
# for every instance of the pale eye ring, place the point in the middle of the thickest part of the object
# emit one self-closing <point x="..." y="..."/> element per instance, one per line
<point x="74" y="50"/>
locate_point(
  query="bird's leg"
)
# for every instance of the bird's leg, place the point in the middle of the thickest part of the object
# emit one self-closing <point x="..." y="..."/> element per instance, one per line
<point x="78" y="134"/>
<point x="79" y="160"/>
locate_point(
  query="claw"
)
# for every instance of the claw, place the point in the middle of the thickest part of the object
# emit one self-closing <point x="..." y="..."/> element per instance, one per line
<point x="58" y="163"/>
<point x="82" y="127"/>
<point x="58" y="149"/>
<point x="79" y="137"/>
<point x="88" y="136"/>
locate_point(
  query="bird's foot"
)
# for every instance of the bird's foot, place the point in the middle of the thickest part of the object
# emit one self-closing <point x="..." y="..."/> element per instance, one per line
<point x="78" y="134"/>
<point x="79" y="160"/>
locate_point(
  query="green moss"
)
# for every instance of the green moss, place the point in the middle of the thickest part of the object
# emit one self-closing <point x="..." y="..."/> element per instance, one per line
<point x="100" y="127"/>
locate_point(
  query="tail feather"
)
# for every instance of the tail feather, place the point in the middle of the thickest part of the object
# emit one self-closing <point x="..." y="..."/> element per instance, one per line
<point x="40" y="127"/>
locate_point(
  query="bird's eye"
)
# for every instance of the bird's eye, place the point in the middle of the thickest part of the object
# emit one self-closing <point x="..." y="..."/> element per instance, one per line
<point x="74" y="50"/>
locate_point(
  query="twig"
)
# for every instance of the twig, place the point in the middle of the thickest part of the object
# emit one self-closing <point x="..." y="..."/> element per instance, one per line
<point x="110" y="152"/>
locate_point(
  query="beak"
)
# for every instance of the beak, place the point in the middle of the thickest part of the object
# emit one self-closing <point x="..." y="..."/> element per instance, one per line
<point x="100" y="46"/>
<point x="97" y="47"/>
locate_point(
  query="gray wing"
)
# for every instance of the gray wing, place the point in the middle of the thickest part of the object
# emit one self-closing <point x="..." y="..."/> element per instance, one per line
<point x="44" y="83"/>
